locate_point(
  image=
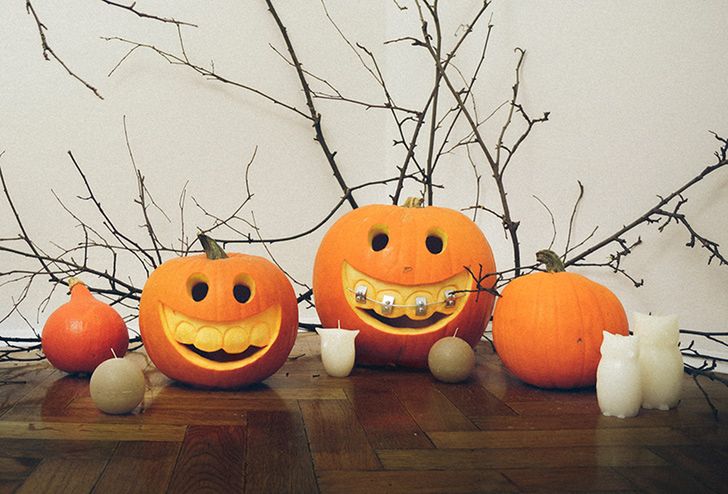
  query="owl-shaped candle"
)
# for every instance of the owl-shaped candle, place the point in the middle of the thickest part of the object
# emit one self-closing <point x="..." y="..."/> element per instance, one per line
<point x="619" y="390"/>
<point x="661" y="364"/>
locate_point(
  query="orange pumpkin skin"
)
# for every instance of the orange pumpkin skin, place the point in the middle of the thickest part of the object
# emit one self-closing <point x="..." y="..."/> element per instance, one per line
<point x="83" y="332"/>
<point x="547" y="328"/>
<point x="404" y="267"/>
<point x="167" y="306"/>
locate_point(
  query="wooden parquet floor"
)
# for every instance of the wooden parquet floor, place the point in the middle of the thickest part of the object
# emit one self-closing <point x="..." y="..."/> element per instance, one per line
<point x="377" y="431"/>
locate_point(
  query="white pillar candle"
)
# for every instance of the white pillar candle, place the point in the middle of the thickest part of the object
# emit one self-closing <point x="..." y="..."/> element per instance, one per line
<point x="661" y="364"/>
<point x="337" y="350"/>
<point x="117" y="386"/>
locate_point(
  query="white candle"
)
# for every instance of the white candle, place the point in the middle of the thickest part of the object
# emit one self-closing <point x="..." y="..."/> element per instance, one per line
<point x="661" y="364"/>
<point x="117" y="386"/>
<point x="451" y="359"/>
<point x="337" y="350"/>
<point x="619" y="388"/>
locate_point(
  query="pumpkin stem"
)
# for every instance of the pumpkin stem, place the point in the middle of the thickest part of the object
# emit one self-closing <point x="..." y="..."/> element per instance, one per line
<point x="81" y="291"/>
<point x="212" y="249"/>
<point x="551" y="259"/>
<point x="73" y="281"/>
<point x="413" y="202"/>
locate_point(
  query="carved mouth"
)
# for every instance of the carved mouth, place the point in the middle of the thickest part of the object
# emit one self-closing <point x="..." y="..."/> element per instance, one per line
<point x="402" y="309"/>
<point x="222" y="345"/>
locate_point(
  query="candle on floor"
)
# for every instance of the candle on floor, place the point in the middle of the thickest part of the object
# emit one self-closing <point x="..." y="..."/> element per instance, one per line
<point x="661" y="364"/>
<point x="451" y="359"/>
<point x="117" y="386"/>
<point x="337" y="350"/>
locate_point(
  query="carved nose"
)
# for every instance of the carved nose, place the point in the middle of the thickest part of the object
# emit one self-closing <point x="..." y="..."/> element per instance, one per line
<point x="407" y="269"/>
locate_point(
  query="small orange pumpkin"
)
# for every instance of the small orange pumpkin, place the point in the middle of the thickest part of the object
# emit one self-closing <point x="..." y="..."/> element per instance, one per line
<point x="547" y="327"/>
<point x="83" y="332"/>
<point x="218" y="320"/>
<point x="398" y="275"/>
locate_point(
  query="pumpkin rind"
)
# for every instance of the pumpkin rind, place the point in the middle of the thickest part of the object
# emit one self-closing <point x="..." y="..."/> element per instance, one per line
<point x="167" y="291"/>
<point x="83" y="332"/>
<point x="404" y="265"/>
<point x="547" y="328"/>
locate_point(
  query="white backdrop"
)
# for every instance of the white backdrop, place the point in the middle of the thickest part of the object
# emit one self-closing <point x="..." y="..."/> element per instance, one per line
<point x="633" y="89"/>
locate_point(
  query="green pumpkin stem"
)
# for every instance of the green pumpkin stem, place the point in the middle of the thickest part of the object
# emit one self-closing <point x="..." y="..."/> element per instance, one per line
<point x="413" y="202"/>
<point x="212" y="249"/>
<point x="551" y="260"/>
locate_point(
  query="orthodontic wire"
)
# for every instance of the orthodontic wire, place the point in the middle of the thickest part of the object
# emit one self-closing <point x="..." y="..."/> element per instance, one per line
<point x="406" y="306"/>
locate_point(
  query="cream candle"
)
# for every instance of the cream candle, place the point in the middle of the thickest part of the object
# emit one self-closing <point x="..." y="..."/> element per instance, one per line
<point x="619" y="388"/>
<point x="117" y="386"/>
<point x="337" y="350"/>
<point x="661" y="364"/>
<point x="451" y="359"/>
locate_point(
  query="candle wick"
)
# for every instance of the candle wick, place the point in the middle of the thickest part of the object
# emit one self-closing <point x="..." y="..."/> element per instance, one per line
<point x="338" y="323"/>
<point x="456" y="332"/>
<point x="113" y="353"/>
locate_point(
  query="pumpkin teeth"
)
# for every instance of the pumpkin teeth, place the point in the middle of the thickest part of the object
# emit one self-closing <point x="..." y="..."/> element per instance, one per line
<point x="207" y="336"/>
<point x="393" y="301"/>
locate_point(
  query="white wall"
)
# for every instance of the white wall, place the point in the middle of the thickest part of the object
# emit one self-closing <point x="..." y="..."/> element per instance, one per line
<point x="633" y="89"/>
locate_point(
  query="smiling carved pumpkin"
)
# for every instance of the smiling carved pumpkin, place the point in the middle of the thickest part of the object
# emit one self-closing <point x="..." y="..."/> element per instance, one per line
<point x="398" y="274"/>
<point x="218" y="320"/>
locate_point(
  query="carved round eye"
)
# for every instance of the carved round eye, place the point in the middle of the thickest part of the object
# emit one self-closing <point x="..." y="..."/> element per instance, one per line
<point x="198" y="291"/>
<point x="379" y="241"/>
<point x="434" y="244"/>
<point x="241" y="293"/>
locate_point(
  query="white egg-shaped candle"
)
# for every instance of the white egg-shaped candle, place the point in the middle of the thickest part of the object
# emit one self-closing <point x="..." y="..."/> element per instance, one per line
<point x="117" y="386"/>
<point x="337" y="350"/>
<point x="451" y="359"/>
<point x="661" y="364"/>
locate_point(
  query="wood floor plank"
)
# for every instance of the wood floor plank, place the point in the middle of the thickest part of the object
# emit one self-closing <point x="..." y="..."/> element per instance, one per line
<point x="13" y="468"/>
<point x="473" y="400"/>
<point x="701" y="461"/>
<point x="336" y="438"/>
<point x="139" y="467"/>
<point x="211" y="460"/>
<point x="54" y="475"/>
<point x="579" y="406"/>
<point x="56" y="392"/>
<point x="278" y="458"/>
<point x="10" y="486"/>
<point x="20" y="380"/>
<point x="431" y="410"/>
<point x="67" y="448"/>
<point x="647" y="418"/>
<point x="585" y="479"/>
<point x="470" y="459"/>
<point x="387" y="422"/>
<point x="660" y="480"/>
<point x="565" y="438"/>
<point x="150" y="416"/>
<point x="185" y="397"/>
<point x="194" y="402"/>
<point x="421" y="482"/>
<point x="91" y="432"/>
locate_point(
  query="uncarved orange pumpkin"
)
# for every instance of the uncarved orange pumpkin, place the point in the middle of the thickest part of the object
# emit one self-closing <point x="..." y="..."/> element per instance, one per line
<point x="402" y="254"/>
<point x="83" y="332"/>
<point x="547" y="326"/>
<point x="218" y="320"/>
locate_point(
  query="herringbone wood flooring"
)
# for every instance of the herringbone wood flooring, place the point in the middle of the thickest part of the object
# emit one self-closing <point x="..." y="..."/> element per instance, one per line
<point x="377" y="431"/>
